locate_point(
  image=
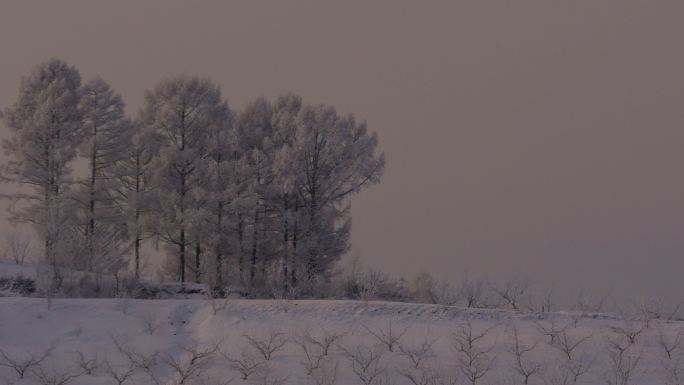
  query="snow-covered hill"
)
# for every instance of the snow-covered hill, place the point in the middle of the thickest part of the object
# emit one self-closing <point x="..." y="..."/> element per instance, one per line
<point x="168" y="333"/>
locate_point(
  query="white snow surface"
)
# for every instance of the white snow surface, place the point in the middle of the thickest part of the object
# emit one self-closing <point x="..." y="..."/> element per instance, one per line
<point x="90" y="325"/>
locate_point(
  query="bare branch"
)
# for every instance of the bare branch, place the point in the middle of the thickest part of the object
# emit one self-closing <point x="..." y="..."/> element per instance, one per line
<point x="271" y="343"/>
<point x="366" y="362"/>
<point x="390" y="336"/>
<point x="21" y="365"/>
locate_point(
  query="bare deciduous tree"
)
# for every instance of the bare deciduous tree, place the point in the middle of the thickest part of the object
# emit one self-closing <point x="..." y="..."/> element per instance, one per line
<point x="369" y="284"/>
<point x="418" y="354"/>
<point x="316" y="349"/>
<point x="272" y="342"/>
<point x="591" y="304"/>
<point x="246" y="363"/>
<point x="472" y="292"/>
<point x="623" y="357"/>
<point x="547" y="301"/>
<point x="17" y="247"/>
<point x="576" y="362"/>
<point x="325" y="373"/>
<point x="191" y="363"/>
<point x="417" y="376"/>
<point x="147" y="363"/>
<point x="389" y="336"/>
<point x="88" y="364"/>
<point x="656" y="309"/>
<point x="551" y="329"/>
<point x="473" y="358"/>
<point x="672" y="361"/>
<point x="217" y="304"/>
<point x="522" y="363"/>
<point x="629" y="332"/>
<point x="22" y="364"/>
<point x="513" y="292"/>
<point x="670" y="344"/>
<point x="366" y="362"/>
<point x="55" y="377"/>
<point x="672" y="372"/>
<point x="120" y="374"/>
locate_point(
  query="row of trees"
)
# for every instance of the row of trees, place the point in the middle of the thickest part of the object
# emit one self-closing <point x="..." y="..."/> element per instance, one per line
<point x="259" y="196"/>
<point x="503" y="352"/>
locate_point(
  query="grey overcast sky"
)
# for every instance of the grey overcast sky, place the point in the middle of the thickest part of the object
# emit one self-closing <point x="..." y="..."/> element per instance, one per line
<point x="541" y="137"/>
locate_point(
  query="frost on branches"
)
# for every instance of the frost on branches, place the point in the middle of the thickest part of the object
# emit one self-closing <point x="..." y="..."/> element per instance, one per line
<point x="256" y="199"/>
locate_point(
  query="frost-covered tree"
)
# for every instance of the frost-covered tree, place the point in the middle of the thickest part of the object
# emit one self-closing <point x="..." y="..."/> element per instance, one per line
<point x="107" y="137"/>
<point x="45" y="131"/>
<point x="299" y="166"/>
<point x="254" y="132"/>
<point x="335" y="158"/>
<point x="283" y="197"/>
<point x="220" y="194"/>
<point x="182" y="111"/>
<point x="135" y="190"/>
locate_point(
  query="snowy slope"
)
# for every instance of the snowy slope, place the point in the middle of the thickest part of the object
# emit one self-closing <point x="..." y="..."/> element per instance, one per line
<point x="90" y="326"/>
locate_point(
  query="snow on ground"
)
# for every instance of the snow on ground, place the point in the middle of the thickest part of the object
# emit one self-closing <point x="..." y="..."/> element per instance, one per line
<point x="175" y="327"/>
<point x="11" y="269"/>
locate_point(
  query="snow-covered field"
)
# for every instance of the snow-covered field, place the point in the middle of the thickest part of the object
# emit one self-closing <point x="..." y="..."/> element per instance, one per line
<point x="218" y="335"/>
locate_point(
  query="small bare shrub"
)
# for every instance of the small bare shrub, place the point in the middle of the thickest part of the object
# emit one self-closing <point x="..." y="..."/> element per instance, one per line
<point x="315" y="350"/>
<point x="88" y="365"/>
<point x="473" y="358"/>
<point x="146" y="363"/>
<point x="366" y="363"/>
<point x="272" y="342"/>
<point x="523" y="364"/>
<point x="325" y="373"/>
<point x="55" y="377"/>
<point x="417" y="376"/>
<point x="217" y="304"/>
<point x="576" y="361"/>
<point x="623" y="356"/>
<point x="17" y="247"/>
<point x="190" y="365"/>
<point x="21" y="364"/>
<point x="550" y="329"/>
<point x="246" y="363"/>
<point x="672" y="361"/>
<point x="513" y="292"/>
<point x="390" y="336"/>
<point x="120" y="374"/>
<point x="418" y="354"/>
<point x="472" y="292"/>
<point x="670" y="344"/>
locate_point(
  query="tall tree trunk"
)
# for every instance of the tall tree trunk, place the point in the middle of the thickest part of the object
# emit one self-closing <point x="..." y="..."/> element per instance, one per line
<point x="181" y="260"/>
<point x="255" y="236"/>
<point x="90" y="233"/>
<point x="219" y="256"/>
<point x="137" y="256"/>
<point x="138" y="237"/>
<point x="295" y="232"/>
<point x="286" y="236"/>
<point x="241" y="248"/>
<point x="198" y="257"/>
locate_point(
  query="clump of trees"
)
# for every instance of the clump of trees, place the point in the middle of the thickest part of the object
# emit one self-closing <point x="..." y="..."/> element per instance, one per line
<point x="257" y="198"/>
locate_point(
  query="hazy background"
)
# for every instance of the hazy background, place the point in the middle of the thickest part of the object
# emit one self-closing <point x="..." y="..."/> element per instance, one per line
<point x="540" y="137"/>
